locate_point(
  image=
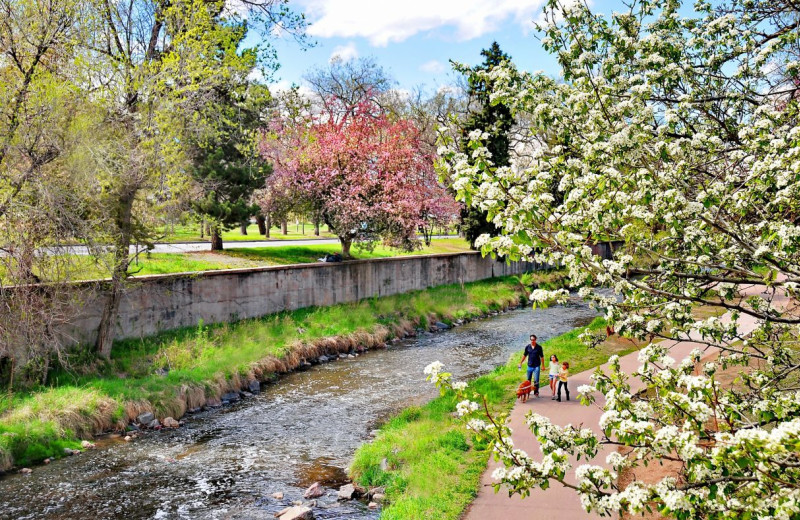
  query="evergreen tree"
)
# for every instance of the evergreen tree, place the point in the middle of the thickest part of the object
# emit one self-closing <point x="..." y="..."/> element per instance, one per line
<point x="226" y="165"/>
<point x="496" y="120"/>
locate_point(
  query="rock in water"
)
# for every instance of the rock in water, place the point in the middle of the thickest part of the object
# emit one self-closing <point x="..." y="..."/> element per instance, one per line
<point x="441" y="325"/>
<point x="231" y="397"/>
<point x="254" y="386"/>
<point x="296" y="513"/>
<point x="154" y="424"/>
<point x="373" y="505"/>
<point x="278" y="495"/>
<point x="145" y="418"/>
<point x="169" y="422"/>
<point x="87" y="445"/>
<point x="26" y="471"/>
<point x="314" y="491"/>
<point x="346" y="492"/>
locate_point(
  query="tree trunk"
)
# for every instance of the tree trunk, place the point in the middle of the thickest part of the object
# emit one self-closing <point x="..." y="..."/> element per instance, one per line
<point x="124" y="229"/>
<point x="316" y="227"/>
<point x="284" y="227"/>
<point x="202" y="228"/>
<point x="243" y="227"/>
<point x="216" y="239"/>
<point x="346" y="243"/>
<point x="267" y="225"/>
<point x="262" y="225"/>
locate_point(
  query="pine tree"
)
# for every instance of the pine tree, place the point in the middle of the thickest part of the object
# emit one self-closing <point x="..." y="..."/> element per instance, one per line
<point x="496" y="120"/>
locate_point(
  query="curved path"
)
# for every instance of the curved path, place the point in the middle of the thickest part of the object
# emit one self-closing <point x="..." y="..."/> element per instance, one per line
<point x="558" y="502"/>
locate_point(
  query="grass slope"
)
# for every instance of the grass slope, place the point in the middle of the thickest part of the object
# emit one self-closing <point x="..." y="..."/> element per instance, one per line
<point x="433" y="464"/>
<point x="206" y="361"/>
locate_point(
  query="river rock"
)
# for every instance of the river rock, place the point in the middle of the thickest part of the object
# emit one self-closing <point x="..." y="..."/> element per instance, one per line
<point x="254" y="386"/>
<point x="314" y="490"/>
<point x="145" y="418"/>
<point x="295" y="513"/>
<point x="127" y="438"/>
<point x="323" y="359"/>
<point x="442" y="325"/>
<point x="87" y="445"/>
<point x="278" y="495"/>
<point x="378" y="497"/>
<point x="373" y="505"/>
<point x="342" y="356"/>
<point x="214" y="402"/>
<point x="26" y="471"/>
<point x="346" y="492"/>
<point x="231" y="397"/>
<point x="46" y="461"/>
<point x="246" y="395"/>
<point x="68" y="451"/>
<point x="154" y="424"/>
<point x="169" y="422"/>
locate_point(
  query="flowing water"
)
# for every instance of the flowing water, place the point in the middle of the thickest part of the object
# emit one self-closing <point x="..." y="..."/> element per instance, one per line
<point x="227" y="463"/>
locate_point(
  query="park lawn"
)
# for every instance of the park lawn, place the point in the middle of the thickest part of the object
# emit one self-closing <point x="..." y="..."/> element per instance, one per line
<point x="206" y="361"/>
<point x="191" y="233"/>
<point x="312" y="253"/>
<point x="81" y="267"/>
<point x="433" y="463"/>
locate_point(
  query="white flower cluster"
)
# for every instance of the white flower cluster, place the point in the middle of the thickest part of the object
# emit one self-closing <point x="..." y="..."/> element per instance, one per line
<point x="672" y="147"/>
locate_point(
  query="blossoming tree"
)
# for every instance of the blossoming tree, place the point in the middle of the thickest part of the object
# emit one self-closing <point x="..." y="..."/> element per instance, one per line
<point x="675" y="132"/>
<point x="366" y="175"/>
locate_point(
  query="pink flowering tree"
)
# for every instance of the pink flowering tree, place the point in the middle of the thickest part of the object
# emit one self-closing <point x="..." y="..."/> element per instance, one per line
<point x="368" y="177"/>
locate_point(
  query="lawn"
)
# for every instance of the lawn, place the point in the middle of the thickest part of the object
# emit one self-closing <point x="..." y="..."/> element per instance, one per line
<point x="433" y="464"/>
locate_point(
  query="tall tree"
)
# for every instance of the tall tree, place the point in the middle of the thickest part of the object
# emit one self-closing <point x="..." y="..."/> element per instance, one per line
<point x="157" y="63"/>
<point x="368" y="177"/>
<point x="227" y="165"/>
<point x="496" y="121"/>
<point x="684" y="120"/>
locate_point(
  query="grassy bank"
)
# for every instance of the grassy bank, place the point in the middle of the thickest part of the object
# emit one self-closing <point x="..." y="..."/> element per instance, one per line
<point x="432" y="463"/>
<point x="79" y="267"/>
<point x="183" y="369"/>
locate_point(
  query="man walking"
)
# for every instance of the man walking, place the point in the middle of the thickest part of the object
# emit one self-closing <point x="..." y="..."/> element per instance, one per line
<point x="535" y="356"/>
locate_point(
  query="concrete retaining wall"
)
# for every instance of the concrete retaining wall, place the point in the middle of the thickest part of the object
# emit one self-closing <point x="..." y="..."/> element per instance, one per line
<point x="163" y="302"/>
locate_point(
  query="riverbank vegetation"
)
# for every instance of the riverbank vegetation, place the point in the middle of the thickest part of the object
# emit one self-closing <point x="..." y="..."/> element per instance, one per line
<point x="186" y="368"/>
<point x="429" y="464"/>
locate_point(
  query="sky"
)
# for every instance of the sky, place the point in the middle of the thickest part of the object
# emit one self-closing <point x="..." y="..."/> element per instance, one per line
<point x="414" y="39"/>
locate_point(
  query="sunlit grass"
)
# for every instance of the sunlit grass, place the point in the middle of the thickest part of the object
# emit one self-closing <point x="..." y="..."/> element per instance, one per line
<point x="97" y="394"/>
<point x="433" y="463"/>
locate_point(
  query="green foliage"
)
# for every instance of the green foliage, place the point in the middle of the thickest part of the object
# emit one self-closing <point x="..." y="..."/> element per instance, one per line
<point x="95" y="391"/>
<point x="496" y="120"/>
<point x="433" y="469"/>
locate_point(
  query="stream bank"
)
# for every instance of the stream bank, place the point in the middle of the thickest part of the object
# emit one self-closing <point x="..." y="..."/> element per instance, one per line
<point x="172" y="373"/>
<point x="227" y="463"/>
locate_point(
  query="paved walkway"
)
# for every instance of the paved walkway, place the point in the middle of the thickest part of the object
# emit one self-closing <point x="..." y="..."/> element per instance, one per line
<point x="190" y="247"/>
<point x="558" y="502"/>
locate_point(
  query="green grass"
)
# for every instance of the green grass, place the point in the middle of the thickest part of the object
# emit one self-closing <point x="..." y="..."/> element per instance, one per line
<point x="311" y="253"/>
<point x="433" y="463"/>
<point x="191" y="233"/>
<point x="97" y="395"/>
<point x="78" y="267"/>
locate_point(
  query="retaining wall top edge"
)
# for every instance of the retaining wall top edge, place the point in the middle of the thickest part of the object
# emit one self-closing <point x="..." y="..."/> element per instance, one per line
<point x="245" y="270"/>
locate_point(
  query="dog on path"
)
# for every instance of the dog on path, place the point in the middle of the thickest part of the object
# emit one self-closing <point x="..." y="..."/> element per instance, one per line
<point x="524" y="391"/>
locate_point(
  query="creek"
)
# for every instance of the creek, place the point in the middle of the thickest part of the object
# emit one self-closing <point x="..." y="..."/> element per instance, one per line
<point x="227" y="463"/>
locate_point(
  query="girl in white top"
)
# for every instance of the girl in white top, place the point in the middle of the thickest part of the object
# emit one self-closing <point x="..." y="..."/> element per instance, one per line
<point x="554" y="369"/>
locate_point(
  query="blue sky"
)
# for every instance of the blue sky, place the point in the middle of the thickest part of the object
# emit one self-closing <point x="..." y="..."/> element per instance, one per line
<point x="414" y="39"/>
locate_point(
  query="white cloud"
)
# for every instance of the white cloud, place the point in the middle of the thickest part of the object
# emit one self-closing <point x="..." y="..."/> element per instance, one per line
<point x="384" y="22"/>
<point x="433" y="66"/>
<point x="345" y="52"/>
